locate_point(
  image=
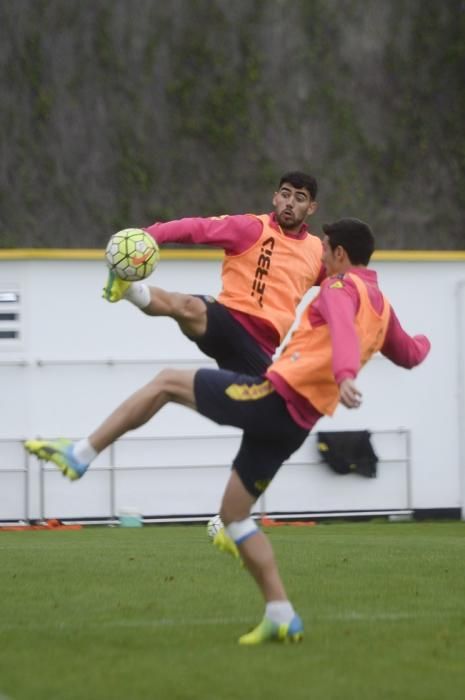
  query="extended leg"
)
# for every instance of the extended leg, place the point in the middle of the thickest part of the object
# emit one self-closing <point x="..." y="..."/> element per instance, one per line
<point x="170" y="386"/>
<point x="190" y="312"/>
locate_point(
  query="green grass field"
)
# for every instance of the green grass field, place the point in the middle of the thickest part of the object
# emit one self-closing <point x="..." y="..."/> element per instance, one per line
<point x="155" y="613"/>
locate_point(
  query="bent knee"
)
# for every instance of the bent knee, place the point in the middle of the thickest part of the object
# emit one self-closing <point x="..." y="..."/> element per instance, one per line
<point x="187" y="307"/>
<point x="175" y="384"/>
<point x="234" y="512"/>
<point x="166" y="379"/>
<point x="191" y="315"/>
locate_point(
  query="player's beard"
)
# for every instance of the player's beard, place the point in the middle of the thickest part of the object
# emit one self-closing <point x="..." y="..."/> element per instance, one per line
<point x="288" y="221"/>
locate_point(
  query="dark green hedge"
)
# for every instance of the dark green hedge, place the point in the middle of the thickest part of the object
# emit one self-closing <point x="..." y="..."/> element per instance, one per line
<point x="118" y="113"/>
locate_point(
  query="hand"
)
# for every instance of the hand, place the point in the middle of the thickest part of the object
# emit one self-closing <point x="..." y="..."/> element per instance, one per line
<point x="351" y="397"/>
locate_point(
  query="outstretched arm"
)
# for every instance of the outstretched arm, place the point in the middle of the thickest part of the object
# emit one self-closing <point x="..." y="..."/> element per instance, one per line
<point x="232" y="233"/>
<point x="401" y="348"/>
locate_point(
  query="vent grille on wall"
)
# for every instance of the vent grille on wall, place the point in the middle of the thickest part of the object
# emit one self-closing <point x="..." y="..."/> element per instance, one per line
<point x="10" y="318"/>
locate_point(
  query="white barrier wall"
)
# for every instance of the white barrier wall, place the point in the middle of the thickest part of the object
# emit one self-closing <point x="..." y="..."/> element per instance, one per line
<point x="67" y="358"/>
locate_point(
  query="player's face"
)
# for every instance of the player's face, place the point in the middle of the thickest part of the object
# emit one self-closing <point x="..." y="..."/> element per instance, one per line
<point x="292" y="206"/>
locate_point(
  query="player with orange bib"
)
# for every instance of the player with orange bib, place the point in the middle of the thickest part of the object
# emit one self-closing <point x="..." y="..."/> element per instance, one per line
<point x="339" y="332"/>
<point x="270" y="261"/>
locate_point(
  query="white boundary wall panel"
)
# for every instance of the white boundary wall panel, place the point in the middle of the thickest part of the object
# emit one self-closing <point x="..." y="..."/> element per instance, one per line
<point x="75" y="357"/>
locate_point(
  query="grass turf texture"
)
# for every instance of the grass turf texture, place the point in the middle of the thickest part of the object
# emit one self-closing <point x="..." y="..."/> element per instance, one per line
<point x="156" y="612"/>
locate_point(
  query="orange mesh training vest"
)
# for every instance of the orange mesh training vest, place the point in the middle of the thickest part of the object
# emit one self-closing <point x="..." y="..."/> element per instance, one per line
<point x="270" y="278"/>
<point x="306" y="363"/>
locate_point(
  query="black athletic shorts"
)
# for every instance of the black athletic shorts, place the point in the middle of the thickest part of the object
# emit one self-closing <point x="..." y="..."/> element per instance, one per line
<point x="251" y="403"/>
<point x="227" y="342"/>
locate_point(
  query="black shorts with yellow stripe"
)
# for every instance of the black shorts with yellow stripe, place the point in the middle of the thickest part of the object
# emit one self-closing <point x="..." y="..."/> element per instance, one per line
<point x="228" y="342"/>
<point x="270" y="435"/>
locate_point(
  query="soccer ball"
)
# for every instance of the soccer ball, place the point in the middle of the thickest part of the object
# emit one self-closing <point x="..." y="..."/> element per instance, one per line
<point x="214" y="525"/>
<point x="132" y="254"/>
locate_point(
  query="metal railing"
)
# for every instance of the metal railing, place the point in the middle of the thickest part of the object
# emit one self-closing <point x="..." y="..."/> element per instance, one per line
<point x="40" y="478"/>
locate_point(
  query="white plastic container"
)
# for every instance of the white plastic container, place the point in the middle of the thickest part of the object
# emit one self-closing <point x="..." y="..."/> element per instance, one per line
<point x="130" y="517"/>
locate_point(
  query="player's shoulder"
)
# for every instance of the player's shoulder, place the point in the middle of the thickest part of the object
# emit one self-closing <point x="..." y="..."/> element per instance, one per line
<point x="236" y="219"/>
<point x="315" y="240"/>
<point x="339" y="281"/>
<point x="219" y="217"/>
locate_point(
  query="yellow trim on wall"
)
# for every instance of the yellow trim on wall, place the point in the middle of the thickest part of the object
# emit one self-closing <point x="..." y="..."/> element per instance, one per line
<point x="50" y="254"/>
<point x="420" y="255"/>
<point x="214" y="254"/>
<point x="97" y="254"/>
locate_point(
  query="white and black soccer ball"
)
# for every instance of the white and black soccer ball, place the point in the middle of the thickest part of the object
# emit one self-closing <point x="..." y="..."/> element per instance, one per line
<point x="214" y="525"/>
<point x="132" y="254"/>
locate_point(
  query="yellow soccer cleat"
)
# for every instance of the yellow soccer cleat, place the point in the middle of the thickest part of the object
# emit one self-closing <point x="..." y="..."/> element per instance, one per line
<point x="220" y="538"/>
<point x="268" y="631"/>
<point x="224" y="543"/>
<point x="60" y="452"/>
<point x="115" y="288"/>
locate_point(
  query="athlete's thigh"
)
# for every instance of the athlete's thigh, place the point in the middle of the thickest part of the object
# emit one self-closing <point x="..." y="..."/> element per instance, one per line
<point x="179" y="384"/>
<point x="230" y="398"/>
<point x="237" y="500"/>
<point x="270" y="435"/>
<point x="259" y="458"/>
<point x="227" y="341"/>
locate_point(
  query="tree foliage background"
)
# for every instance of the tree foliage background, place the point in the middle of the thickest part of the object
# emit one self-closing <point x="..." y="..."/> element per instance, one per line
<point x="117" y="113"/>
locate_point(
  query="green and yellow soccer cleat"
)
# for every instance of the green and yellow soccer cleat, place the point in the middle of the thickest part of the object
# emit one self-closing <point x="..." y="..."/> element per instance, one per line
<point x="60" y="452"/>
<point x="268" y="631"/>
<point x="224" y="543"/>
<point x="115" y="288"/>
